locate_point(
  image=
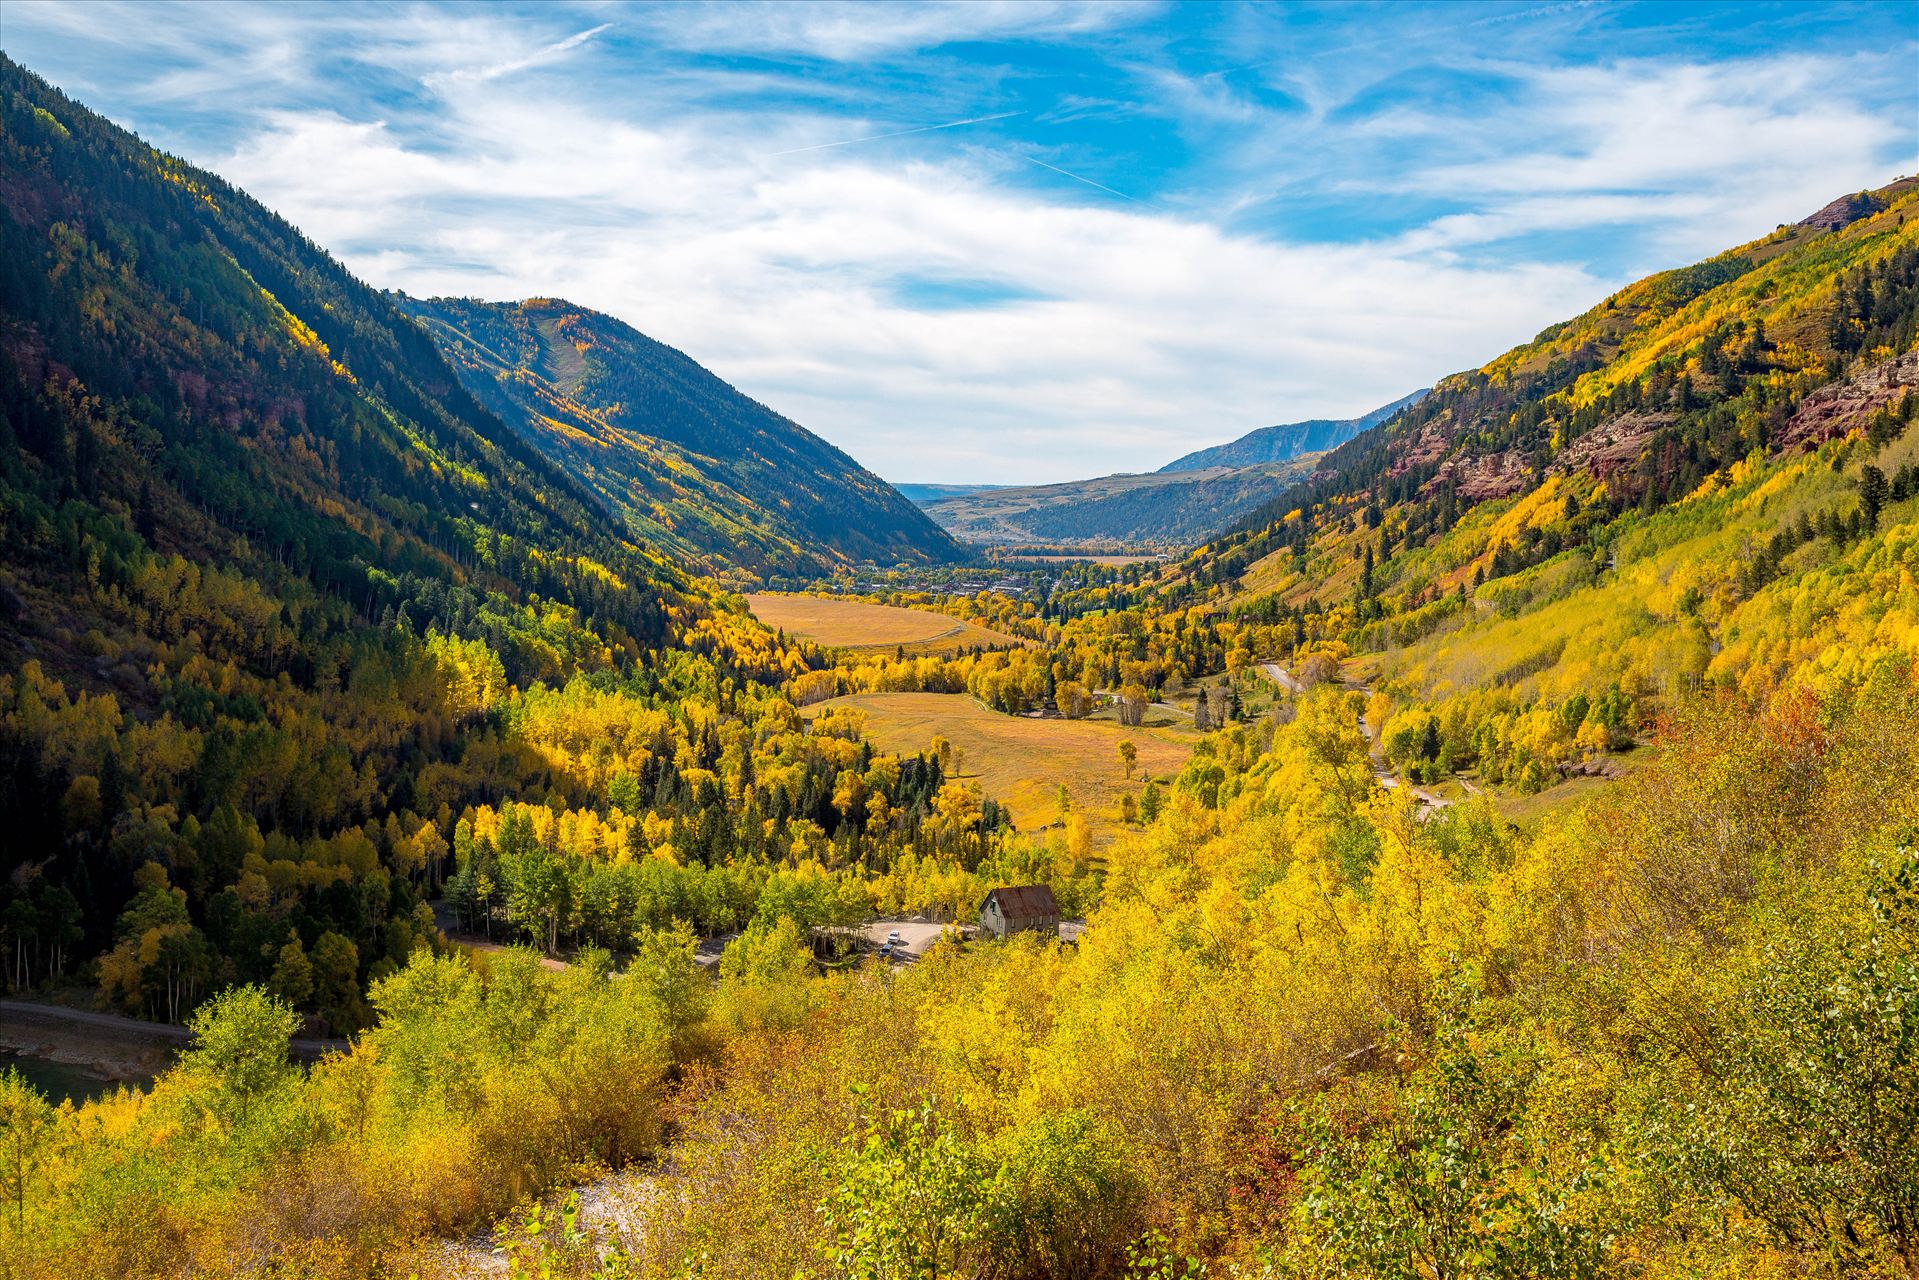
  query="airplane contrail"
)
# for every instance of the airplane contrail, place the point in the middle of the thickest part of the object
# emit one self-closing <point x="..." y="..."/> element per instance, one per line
<point x="534" y="59"/>
<point x="899" y="133"/>
<point x="1089" y="182"/>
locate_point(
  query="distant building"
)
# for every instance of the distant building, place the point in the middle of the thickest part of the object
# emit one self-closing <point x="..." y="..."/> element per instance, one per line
<point x="1026" y="908"/>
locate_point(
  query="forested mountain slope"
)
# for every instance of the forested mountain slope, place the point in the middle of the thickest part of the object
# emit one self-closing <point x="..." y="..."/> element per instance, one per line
<point x="1289" y="440"/>
<point x="238" y="491"/>
<point x="295" y="634"/>
<point x="1658" y="385"/>
<point x="1692" y="484"/>
<point x="691" y="464"/>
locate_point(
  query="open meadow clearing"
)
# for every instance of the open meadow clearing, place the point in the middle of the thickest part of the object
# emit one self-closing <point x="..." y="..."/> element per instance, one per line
<point x="861" y="624"/>
<point x="1020" y="761"/>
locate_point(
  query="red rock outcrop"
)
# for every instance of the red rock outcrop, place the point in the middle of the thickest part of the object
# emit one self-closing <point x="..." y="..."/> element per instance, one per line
<point x="1613" y="445"/>
<point x="1838" y="407"/>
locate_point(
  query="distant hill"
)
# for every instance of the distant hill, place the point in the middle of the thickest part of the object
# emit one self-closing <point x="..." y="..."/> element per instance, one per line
<point x="1183" y="503"/>
<point x="1289" y="440"/>
<point x="925" y="493"/>
<point x="687" y="461"/>
<point x="1160" y="510"/>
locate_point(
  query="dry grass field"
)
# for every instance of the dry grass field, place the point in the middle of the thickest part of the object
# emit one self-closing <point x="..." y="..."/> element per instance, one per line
<point x="860" y="624"/>
<point x="1022" y="762"/>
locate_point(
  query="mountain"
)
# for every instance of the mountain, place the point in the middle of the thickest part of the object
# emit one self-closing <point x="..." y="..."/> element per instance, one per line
<point x="688" y="462"/>
<point x="1289" y="440"/>
<point x="925" y="493"/>
<point x="291" y="624"/>
<point x="1708" y="480"/>
<point x="266" y="568"/>
<point x="1167" y="510"/>
<point x="1182" y="503"/>
<point x="1657" y="387"/>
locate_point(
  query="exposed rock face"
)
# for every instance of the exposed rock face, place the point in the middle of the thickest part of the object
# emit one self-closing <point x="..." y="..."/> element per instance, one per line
<point x="1838" y="407"/>
<point x="1431" y="444"/>
<point x="1843" y="211"/>
<point x="1498" y="475"/>
<point x="1613" y="445"/>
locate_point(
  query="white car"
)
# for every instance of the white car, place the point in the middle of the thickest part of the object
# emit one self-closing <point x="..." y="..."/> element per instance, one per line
<point x="894" y="939"/>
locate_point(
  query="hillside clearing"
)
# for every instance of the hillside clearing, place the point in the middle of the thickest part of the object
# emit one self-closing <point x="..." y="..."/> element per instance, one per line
<point x="1022" y="761"/>
<point x="860" y="624"/>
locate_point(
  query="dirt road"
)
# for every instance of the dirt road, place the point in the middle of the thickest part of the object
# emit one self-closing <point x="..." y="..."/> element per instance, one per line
<point x="448" y="922"/>
<point x="120" y="1047"/>
<point x="1281" y="677"/>
<point x="915" y="937"/>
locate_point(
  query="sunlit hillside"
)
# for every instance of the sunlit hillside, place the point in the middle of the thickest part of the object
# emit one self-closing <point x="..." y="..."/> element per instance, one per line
<point x="1702" y="482"/>
<point x="690" y="464"/>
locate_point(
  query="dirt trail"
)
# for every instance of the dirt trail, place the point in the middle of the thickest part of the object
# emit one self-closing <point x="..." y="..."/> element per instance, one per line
<point x="448" y="922"/>
<point x="1383" y="771"/>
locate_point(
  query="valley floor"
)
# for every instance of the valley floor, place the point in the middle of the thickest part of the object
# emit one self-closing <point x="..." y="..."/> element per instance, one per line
<point x="1022" y="761"/>
<point x="860" y="625"/>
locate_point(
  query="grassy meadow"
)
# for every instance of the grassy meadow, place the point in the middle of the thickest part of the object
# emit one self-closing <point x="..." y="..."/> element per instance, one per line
<point x="860" y="625"/>
<point x="1023" y="762"/>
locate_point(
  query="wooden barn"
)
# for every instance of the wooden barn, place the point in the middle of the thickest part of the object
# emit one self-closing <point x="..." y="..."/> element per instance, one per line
<point x="1027" y="908"/>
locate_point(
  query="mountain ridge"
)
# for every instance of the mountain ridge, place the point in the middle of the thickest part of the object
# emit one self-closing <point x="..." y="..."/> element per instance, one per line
<point x="1187" y="500"/>
<point x="1158" y="510"/>
<point x="1289" y="440"/>
<point x="683" y="458"/>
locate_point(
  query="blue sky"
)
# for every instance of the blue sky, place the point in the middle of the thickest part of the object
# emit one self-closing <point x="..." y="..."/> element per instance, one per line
<point x="1031" y="241"/>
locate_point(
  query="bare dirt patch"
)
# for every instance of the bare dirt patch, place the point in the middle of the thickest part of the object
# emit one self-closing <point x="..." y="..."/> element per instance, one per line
<point x="1613" y="445"/>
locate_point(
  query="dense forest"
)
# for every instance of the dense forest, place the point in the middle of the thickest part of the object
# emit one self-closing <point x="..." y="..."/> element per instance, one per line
<point x="292" y="623"/>
<point x="298" y="639"/>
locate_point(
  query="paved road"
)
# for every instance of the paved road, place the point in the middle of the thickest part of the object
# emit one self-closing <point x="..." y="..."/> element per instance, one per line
<point x="32" y="1013"/>
<point x="916" y="937"/>
<point x="1281" y="677"/>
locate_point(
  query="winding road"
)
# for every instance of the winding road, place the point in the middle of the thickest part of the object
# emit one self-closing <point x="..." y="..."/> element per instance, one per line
<point x="30" y="1013"/>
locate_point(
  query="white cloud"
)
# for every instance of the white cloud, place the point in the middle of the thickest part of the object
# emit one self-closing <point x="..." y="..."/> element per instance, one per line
<point x="851" y="31"/>
<point x="1696" y="157"/>
<point x="537" y="58"/>
<point x="558" y="150"/>
<point x="1149" y="335"/>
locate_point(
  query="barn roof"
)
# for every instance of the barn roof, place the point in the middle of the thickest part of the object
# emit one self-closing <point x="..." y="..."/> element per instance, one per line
<point x="1026" y="901"/>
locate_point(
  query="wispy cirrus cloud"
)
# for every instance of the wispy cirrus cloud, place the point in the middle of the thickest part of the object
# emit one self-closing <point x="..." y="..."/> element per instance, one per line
<point x="851" y="30"/>
<point x="884" y="137"/>
<point x="1019" y="242"/>
<point x="493" y="71"/>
